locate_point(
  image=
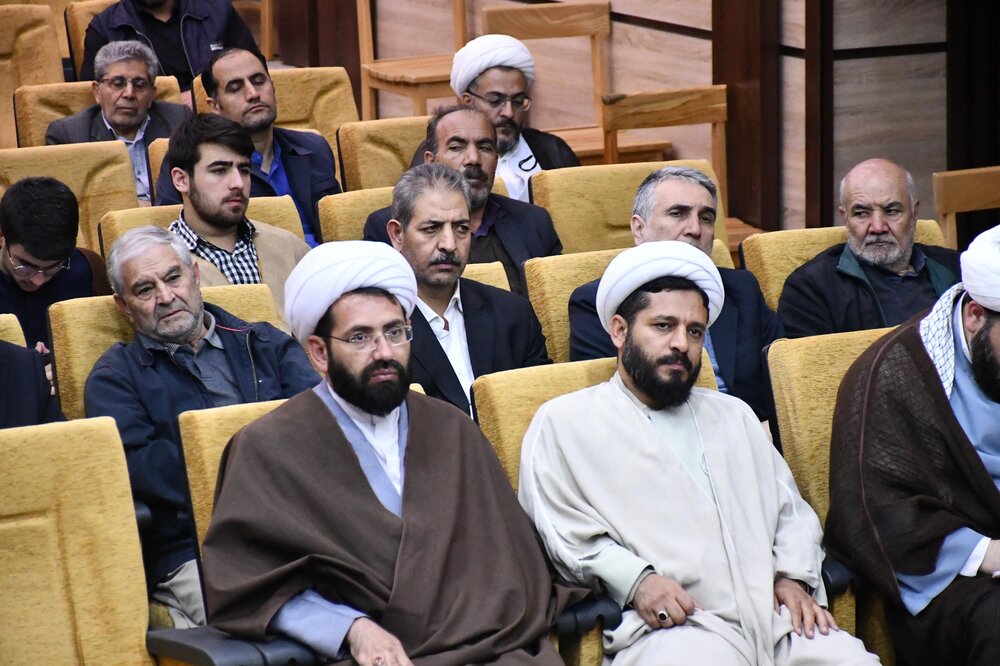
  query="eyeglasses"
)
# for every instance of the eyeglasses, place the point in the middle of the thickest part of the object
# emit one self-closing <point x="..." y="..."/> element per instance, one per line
<point x="366" y="342"/>
<point x="119" y="82"/>
<point x="497" y="101"/>
<point x="28" y="271"/>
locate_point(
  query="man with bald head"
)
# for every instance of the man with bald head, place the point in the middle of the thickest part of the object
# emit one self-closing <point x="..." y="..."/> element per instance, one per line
<point x="503" y="229"/>
<point x="880" y="277"/>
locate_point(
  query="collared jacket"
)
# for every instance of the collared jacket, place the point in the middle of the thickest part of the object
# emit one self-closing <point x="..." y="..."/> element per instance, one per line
<point x="207" y="26"/>
<point x="88" y="125"/>
<point x="308" y="162"/>
<point x="145" y="391"/>
<point x="832" y="294"/>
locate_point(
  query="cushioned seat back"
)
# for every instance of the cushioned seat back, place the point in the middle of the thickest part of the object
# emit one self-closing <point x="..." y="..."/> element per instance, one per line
<point x="375" y="153"/>
<point x="204" y="434"/>
<point x="29" y="55"/>
<point x="58" y="8"/>
<point x="773" y="256"/>
<point x="84" y="328"/>
<point x="277" y="211"/>
<point x="100" y="175"/>
<point x="492" y="274"/>
<point x="78" y="17"/>
<point x="591" y="206"/>
<point x="10" y="329"/>
<point x="36" y="107"/>
<point x="71" y="575"/>
<point x="342" y="216"/>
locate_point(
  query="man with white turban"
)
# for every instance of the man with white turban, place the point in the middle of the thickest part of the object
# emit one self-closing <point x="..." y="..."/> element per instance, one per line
<point x="494" y="73"/>
<point x="670" y="498"/>
<point x="366" y="520"/>
<point x="914" y="470"/>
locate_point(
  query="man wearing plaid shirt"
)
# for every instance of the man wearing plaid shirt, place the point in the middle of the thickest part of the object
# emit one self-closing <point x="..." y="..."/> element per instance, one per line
<point x="210" y="158"/>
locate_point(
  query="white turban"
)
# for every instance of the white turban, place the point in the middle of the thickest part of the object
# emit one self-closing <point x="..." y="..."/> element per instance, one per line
<point x="638" y="265"/>
<point x="489" y="51"/>
<point x="330" y="270"/>
<point x="981" y="269"/>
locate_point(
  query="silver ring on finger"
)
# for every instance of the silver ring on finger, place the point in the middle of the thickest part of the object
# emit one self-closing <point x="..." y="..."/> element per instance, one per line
<point x="379" y="661"/>
<point x="662" y="616"/>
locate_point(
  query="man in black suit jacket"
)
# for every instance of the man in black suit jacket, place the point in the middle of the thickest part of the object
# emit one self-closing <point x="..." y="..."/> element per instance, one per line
<point x="126" y="108"/>
<point x="503" y="229"/>
<point x="284" y="161"/>
<point x="26" y="395"/>
<point x="461" y="329"/>
<point x="679" y="203"/>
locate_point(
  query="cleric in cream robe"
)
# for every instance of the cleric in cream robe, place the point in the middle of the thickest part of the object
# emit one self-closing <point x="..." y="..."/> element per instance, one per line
<point x="671" y="498"/>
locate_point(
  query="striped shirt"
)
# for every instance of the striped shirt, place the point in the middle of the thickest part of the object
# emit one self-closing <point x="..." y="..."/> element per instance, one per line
<point x="239" y="266"/>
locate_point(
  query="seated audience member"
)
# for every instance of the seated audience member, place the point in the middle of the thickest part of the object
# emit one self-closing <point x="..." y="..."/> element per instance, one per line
<point x="503" y="229"/>
<point x="461" y="329"/>
<point x="26" y="395"/>
<point x="914" y="505"/>
<point x="41" y="265"/>
<point x="407" y="542"/>
<point x="494" y="73"/>
<point x="679" y="203"/>
<point x="671" y="498"/>
<point x="186" y="355"/>
<point x="880" y="277"/>
<point x="126" y="110"/>
<point x="284" y="161"/>
<point x="211" y="169"/>
<point x="185" y="34"/>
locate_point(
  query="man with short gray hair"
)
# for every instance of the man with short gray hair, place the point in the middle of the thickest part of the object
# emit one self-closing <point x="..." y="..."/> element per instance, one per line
<point x="186" y="355"/>
<point x="880" y="277"/>
<point x="126" y="108"/>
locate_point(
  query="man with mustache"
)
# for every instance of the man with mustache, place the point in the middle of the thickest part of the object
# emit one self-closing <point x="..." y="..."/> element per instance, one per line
<point x="186" y="355"/>
<point x="494" y="73"/>
<point x="914" y="504"/>
<point x="211" y="170"/>
<point x="671" y="498"/>
<point x="880" y="277"/>
<point x="126" y="110"/>
<point x="390" y="534"/>
<point x="503" y="229"/>
<point x="284" y="161"/>
<point x="184" y="34"/>
<point x="461" y="329"/>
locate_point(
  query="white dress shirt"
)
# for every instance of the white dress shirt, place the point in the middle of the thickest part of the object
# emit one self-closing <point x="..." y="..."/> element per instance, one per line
<point x="450" y="332"/>
<point x="515" y="168"/>
<point x="382" y="432"/>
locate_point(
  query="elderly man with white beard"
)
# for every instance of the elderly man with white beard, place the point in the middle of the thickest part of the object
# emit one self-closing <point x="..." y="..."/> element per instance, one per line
<point x="880" y="277"/>
<point x="671" y="498"/>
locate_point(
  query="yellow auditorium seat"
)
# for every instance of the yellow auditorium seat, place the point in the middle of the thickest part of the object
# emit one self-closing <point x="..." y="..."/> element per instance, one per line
<point x="35" y="107"/>
<point x="74" y="355"/>
<point x="58" y="8"/>
<point x="805" y="377"/>
<point x="99" y="174"/>
<point x="591" y="206"/>
<point x="29" y="55"/>
<point x="10" y="330"/>
<point x="78" y="17"/>
<point x="342" y="216"/>
<point x="279" y="212"/>
<point x="774" y="255"/>
<point x="961" y="191"/>
<point x="375" y="153"/>
<point x="492" y="274"/>
<point x="155" y="152"/>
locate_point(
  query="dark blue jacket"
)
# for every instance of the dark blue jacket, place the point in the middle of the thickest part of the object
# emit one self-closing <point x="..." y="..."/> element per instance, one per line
<point x="744" y="327"/>
<point x="145" y="391"/>
<point x="25" y="396"/>
<point x="207" y="26"/>
<point x="502" y="331"/>
<point x="308" y="162"/>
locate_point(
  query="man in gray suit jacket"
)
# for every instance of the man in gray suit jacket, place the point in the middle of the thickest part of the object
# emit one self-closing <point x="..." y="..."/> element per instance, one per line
<point x="126" y="108"/>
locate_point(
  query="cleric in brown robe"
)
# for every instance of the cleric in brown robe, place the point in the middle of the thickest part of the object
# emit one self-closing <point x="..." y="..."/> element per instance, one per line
<point x="365" y="520"/>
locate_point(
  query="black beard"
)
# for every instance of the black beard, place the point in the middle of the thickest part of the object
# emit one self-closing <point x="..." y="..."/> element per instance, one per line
<point x="663" y="392"/>
<point x="378" y="399"/>
<point x="985" y="367"/>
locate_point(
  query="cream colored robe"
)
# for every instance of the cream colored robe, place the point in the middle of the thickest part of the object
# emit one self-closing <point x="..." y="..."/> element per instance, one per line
<point x="609" y="500"/>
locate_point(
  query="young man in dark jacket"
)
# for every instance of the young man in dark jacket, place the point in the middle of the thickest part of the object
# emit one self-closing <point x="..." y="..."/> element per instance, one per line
<point x="186" y="355"/>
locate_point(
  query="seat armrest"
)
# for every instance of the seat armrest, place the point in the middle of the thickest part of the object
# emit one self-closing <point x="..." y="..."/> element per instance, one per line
<point x="207" y="646"/>
<point x="836" y="577"/>
<point x="584" y="615"/>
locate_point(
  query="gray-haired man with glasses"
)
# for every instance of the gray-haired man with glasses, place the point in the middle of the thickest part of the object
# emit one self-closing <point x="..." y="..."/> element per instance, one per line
<point x="126" y="108"/>
<point x="39" y="261"/>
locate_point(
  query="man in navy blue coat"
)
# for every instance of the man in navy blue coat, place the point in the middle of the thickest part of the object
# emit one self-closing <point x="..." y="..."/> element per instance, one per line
<point x="284" y="161"/>
<point x="503" y="229"/>
<point x="461" y="329"/>
<point x="679" y="203"/>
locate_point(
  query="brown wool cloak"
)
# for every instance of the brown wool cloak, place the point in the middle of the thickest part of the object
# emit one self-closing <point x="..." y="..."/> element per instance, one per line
<point x="460" y="579"/>
<point x="903" y="475"/>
